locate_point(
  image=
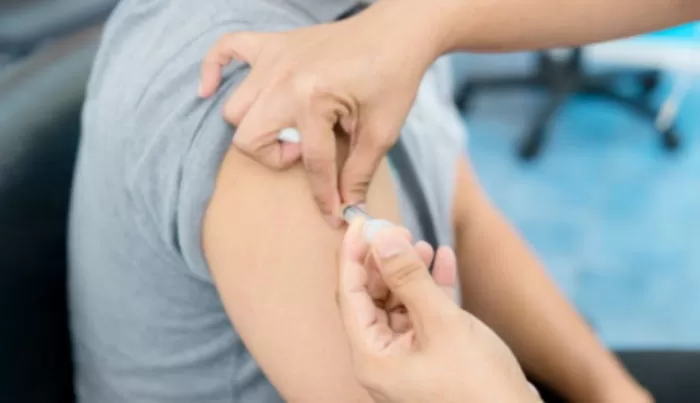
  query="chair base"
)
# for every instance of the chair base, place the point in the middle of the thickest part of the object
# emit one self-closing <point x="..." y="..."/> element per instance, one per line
<point x="563" y="80"/>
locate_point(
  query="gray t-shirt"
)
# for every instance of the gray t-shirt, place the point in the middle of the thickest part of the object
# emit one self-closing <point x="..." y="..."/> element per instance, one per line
<point x="147" y="322"/>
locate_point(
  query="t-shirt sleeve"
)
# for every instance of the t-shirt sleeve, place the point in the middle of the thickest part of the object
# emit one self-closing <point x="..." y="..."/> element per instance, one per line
<point x="181" y="142"/>
<point x="182" y="138"/>
<point x="200" y="168"/>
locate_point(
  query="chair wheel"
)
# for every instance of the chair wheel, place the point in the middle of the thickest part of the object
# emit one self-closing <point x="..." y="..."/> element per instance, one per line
<point x="463" y="100"/>
<point x="531" y="147"/>
<point x="649" y="83"/>
<point x="670" y="139"/>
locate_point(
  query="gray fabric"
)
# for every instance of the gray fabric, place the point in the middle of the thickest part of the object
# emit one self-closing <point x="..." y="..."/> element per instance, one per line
<point x="147" y="322"/>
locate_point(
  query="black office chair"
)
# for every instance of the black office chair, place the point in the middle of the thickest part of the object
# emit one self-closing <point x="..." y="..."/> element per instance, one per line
<point x="562" y="78"/>
<point x="39" y="129"/>
<point x="27" y="24"/>
<point x="41" y="95"/>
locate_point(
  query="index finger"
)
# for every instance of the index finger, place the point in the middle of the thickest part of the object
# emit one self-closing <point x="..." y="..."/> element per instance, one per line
<point x="319" y="156"/>
<point x="242" y="46"/>
<point x="357" y="310"/>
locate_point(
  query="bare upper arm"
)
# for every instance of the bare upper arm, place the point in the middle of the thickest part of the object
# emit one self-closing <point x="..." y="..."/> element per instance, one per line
<point x="273" y="259"/>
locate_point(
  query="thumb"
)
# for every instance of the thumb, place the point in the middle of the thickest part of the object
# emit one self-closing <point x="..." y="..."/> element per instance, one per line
<point x="362" y="163"/>
<point x="407" y="276"/>
<point x="445" y="271"/>
<point x="241" y="46"/>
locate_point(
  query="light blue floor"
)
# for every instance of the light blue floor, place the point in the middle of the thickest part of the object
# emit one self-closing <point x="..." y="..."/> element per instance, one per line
<point x="614" y="217"/>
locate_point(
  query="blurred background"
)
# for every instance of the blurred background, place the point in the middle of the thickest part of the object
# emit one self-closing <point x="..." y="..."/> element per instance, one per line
<point x="610" y="203"/>
<point x="593" y="154"/>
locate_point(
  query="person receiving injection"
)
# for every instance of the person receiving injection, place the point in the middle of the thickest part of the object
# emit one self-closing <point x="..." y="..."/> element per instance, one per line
<point x="362" y="74"/>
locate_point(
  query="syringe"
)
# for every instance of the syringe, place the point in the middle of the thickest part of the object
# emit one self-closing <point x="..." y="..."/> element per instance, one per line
<point x="350" y="212"/>
<point x="372" y="225"/>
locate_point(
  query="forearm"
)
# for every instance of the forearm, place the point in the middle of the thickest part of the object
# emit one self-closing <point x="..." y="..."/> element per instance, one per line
<point x="512" y="25"/>
<point x="503" y="284"/>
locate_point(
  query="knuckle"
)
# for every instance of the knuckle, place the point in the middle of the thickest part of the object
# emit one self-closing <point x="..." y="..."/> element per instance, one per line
<point x="304" y="82"/>
<point x="223" y="46"/>
<point x="244" y="143"/>
<point x="356" y="190"/>
<point x="312" y="86"/>
<point x="381" y="142"/>
<point x="317" y="87"/>
<point x="403" y="270"/>
<point x="232" y="114"/>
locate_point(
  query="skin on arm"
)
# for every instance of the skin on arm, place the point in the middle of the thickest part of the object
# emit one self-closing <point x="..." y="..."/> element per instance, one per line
<point x="273" y="259"/>
<point x="515" y="25"/>
<point x="504" y="285"/>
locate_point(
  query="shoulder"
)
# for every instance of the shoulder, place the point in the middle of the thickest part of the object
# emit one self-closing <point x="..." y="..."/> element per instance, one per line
<point x="145" y="77"/>
<point x="151" y="50"/>
<point x="162" y="142"/>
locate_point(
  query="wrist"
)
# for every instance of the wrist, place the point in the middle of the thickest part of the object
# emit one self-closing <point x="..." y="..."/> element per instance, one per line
<point x="419" y="27"/>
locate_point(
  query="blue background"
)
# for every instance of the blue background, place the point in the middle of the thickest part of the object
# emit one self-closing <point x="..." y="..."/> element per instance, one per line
<point x="614" y="217"/>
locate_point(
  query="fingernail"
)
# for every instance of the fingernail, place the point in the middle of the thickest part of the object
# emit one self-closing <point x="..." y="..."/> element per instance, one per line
<point x="388" y="244"/>
<point x="200" y="90"/>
